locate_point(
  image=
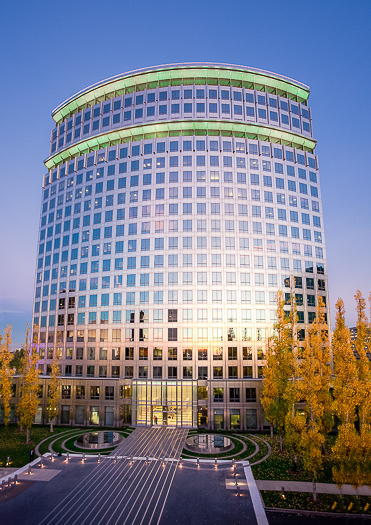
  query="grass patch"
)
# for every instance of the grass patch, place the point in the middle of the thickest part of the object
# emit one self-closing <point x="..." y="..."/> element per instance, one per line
<point x="12" y="440"/>
<point x="279" y="466"/>
<point x="12" y="443"/>
<point x="325" y="502"/>
<point x="44" y="447"/>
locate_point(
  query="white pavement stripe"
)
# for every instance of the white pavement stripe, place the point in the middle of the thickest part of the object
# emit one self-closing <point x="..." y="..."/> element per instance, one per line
<point x="94" y="501"/>
<point x="159" y="469"/>
<point x="116" y="483"/>
<point x="140" y="467"/>
<point x="96" y="473"/>
<point x="177" y="437"/>
<point x="156" y="442"/>
<point x="53" y="514"/>
<point x="182" y="438"/>
<point x="260" y="515"/>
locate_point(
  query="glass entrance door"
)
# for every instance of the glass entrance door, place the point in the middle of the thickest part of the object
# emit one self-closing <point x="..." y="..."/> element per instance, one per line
<point x="157" y="415"/>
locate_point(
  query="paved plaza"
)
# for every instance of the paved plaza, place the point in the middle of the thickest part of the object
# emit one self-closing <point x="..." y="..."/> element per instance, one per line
<point x="146" y="485"/>
<point x="142" y="482"/>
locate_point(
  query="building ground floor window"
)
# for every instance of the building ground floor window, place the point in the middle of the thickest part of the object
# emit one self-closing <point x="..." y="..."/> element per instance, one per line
<point x="218" y="419"/>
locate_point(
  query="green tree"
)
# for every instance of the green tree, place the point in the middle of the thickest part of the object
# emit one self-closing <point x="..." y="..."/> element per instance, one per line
<point x="16" y="361"/>
<point x="315" y="373"/>
<point x="6" y="371"/>
<point x="280" y="360"/>
<point x="29" y="386"/>
<point x="345" y="449"/>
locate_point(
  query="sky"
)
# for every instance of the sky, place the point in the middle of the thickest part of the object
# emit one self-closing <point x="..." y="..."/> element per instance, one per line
<point x="51" y="50"/>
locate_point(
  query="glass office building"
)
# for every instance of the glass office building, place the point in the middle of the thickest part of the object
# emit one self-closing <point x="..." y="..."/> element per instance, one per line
<point x="177" y="201"/>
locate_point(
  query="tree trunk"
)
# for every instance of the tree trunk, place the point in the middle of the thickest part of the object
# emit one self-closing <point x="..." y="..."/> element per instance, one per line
<point x="51" y="426"/>
<point x="323" y="448"/>
<point x="314" y="490"/>
<point x="27" y="435"/>
<point x="295" y="463"/>
<point x="271" y="431"/>
<point x="281" y="444"/>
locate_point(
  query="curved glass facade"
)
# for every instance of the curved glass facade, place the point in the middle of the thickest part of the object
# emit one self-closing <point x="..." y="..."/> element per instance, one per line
<point x="178" y="201"/>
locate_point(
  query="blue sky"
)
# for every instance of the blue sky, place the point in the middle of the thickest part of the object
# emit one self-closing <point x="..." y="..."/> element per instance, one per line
<point x="50" y="50"/>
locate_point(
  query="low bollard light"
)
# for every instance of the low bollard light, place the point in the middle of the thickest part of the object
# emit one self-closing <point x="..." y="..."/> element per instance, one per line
<point x="68" y="457"/>
<point x="16" y="479"/>
<point x="216" y="463"/>
<point x="115" y="458"/>
<point x="7" y="461"/>
<point x="29" y="470"/>
<point x="83" y="457"/>
<point x="99" y="458"/>
<point x="198" y="462"/>
<point x="52" y="456"/>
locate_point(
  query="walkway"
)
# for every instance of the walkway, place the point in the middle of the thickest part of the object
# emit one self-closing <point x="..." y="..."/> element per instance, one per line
<point x="128" y="491"/>
<point x="307" y="486"/>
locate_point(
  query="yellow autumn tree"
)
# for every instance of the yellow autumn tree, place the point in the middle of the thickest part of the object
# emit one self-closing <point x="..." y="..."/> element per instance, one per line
<point x="315" y="373"/>
<point x="295" y="421"/>
<point x="29" y="400"/>
<point x="345" y="450"/>
<point x="278" y="371"/>
<point x="363" y="392"/>
<point x="53" y="390"/>
<point x="6" y="371"/>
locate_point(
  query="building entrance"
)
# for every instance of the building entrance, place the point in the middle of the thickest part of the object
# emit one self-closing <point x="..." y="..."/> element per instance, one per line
<point x="164" y="415"/>
<point x="165" y="403"/>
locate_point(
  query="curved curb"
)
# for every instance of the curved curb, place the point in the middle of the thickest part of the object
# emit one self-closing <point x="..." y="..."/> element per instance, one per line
<point x="242" y="439"/>
<point x="256" y="446"/>
<point x="50" y="446"/>
<point x="222" y="457"/>
<point x="61" y="434"/>
<point x="107" y="450"/>
<point x="267" y="454"/>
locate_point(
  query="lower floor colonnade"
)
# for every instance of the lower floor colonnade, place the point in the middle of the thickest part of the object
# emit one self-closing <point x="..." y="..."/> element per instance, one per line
<point x="217" y="404"/>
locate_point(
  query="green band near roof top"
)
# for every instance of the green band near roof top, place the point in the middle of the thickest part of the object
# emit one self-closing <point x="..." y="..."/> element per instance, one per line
<point x="176" y="75"/>
<point x="181" y="127"/>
